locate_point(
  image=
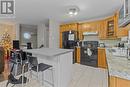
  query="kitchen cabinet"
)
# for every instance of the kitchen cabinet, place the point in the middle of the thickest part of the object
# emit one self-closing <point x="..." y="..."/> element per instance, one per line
<point x="108" y="27"/>
<point x="78" y="56"/>
<point x="80" y="32"/>
<point x="118" y="82"/>
<point x="111" y="27"/>
<point x="102" y="30"/>
<point x="68" y="27"/>
<point x="123" y="31"/>
<point x="93" y="26"/>
<point x="102" y="58"/>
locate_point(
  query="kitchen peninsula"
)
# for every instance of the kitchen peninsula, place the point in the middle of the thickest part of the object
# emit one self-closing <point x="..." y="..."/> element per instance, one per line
<point x="60" y="59"/>
<point x="119" y="70"/>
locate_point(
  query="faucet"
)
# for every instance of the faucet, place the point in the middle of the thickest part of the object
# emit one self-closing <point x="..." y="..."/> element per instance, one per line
<point x="128" y="51"/>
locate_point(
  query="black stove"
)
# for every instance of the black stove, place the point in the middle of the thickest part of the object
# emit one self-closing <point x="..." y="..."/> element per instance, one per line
<point x="89" y="53"/>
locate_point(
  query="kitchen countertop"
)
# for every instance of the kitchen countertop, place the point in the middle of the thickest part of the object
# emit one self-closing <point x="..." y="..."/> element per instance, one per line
<point x="101" y="48"/>
<point x="49" y="52"/>
<point x="118" y="66"/>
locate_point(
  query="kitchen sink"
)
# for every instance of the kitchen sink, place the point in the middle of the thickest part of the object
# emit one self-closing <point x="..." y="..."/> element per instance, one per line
<point x="122" y="52"/>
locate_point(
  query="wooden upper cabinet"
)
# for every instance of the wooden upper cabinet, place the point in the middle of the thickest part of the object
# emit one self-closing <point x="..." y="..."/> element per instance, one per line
<point x="111" y="27"/>
<point x="122" y="32"/>
<point x="80" y="32"/>
<point x="108" y="28"/>
<point x="67" y="27"/>
<point x="102" y="30"/>
<point x="89" y="27"/>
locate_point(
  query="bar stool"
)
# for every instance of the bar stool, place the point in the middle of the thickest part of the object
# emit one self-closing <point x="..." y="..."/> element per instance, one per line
<point x="19" y="57"/>
<point x="41" y="67"/>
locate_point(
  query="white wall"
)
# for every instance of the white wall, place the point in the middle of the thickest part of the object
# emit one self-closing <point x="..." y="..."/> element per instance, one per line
<point x="53" y="34"/>
<point x="40" y="34"/>
<point x="17" y="31"/>
<point x="46" y="35"/>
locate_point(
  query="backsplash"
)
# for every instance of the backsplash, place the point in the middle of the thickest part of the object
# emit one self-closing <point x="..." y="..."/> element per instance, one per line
<point x="110" y="43"/>
<point x="91" y="38"/>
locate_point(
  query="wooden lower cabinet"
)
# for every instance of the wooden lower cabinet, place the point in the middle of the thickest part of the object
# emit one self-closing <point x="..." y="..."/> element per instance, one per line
<point x="78" y="56"/>
<point x="118" y="82"/>
<point x="102" y="58"/>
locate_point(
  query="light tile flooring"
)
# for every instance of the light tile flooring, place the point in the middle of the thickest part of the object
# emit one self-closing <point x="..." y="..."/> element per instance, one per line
<point x="83" y="76"/>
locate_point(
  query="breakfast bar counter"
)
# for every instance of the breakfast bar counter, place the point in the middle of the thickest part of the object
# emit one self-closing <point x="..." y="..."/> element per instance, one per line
<point x="119" y="70"/>
<point x="60" y="59"/>
<point x="118" y="66"/>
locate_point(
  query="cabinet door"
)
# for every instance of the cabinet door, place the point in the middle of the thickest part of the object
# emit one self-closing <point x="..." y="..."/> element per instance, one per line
<point x="122" y="82"/>
<point x="60" y="39"/>
<point x="112" y="81"/>
<point x="122" y="33"/>
<point x="102" y="30"/>
<point x="102" y="58"/>
<point x="89" y="27"/>
<point x="78" y="54"/>
<point x="80" y="32"/>
<point x="118" y="82"/>
<point x="111" y="27"/>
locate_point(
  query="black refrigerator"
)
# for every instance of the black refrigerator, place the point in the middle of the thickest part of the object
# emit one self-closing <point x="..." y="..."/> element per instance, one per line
<point x="69" y="39"/>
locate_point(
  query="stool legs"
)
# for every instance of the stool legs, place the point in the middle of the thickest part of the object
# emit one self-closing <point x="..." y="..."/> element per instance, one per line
<point x="16" y="71"/>
<point x="52" y="73"/>
<point x="42" y="78"/>
<point x="52" y="77"/>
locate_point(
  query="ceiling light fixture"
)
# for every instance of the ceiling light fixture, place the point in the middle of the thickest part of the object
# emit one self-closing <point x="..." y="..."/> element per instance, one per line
<point x="73" y="11"/>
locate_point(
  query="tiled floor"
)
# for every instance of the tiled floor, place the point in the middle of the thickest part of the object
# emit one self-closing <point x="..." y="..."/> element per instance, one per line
<point x="83" y="76"/>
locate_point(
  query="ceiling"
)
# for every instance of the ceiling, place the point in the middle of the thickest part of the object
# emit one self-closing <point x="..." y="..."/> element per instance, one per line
<point x="35" y="11"/>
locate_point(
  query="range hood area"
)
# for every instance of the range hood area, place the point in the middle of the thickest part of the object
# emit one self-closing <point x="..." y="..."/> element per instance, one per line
<point x="90" y="36"/>
<point x="90" y="33"/>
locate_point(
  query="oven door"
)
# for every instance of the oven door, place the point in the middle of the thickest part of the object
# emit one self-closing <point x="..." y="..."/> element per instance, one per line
<point x="89" y="56"/>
